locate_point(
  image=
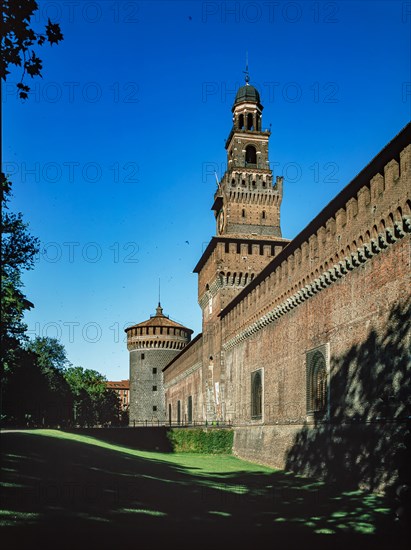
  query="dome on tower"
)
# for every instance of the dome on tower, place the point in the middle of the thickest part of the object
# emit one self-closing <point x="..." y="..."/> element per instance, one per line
<point x="158" y="332"/>
<point x="247" y="93"/>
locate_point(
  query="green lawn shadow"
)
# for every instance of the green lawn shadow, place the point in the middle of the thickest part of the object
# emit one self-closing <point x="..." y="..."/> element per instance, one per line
<point x="63" y="487"/>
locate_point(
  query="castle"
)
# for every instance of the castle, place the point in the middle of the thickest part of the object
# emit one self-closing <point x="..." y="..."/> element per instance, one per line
<point x="305" y="343"/>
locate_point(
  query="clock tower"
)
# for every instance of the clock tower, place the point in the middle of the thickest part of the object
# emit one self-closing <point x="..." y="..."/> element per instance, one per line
<point x="248" y="235"/>
<point x="247" y="202"/>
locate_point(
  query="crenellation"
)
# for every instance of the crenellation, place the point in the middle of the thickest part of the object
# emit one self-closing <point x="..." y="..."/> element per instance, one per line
<point x="405" y="162"/>
<point x="376" y="187"/>
<point x="391" y="174"/>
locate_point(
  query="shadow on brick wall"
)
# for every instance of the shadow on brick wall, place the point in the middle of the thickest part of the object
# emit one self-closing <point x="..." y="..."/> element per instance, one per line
<point x="363" y="443"/>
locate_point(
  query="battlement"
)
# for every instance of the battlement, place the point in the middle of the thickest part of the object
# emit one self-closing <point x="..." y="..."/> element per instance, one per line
<point x="369" y="215"/>
<point x="233" y="262"/>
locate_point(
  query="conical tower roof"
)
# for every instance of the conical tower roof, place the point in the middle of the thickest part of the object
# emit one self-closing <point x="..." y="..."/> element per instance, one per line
<point x="159" y="320"/>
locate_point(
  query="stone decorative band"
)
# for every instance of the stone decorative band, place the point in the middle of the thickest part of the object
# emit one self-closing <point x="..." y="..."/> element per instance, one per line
<point x="236" y="280"/>
<point x="135" y="344"/>
<point x="336" y="272"/>
<point x="183" y="375"/>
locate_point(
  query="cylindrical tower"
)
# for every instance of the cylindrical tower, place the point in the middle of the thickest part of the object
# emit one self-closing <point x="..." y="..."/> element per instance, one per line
<point x="152" y="345"/>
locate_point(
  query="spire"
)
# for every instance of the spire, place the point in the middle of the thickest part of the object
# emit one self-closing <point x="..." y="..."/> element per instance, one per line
<point x="159" y="309"/>
<point x="247" y="75"/>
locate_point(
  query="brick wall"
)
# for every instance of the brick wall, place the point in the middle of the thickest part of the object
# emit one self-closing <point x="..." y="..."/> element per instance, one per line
<point x="183" y="378"/>
<point x="343" y="286"/>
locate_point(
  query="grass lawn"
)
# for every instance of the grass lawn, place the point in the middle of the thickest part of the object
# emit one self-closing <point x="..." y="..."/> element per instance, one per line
<point x="64" y="490"/>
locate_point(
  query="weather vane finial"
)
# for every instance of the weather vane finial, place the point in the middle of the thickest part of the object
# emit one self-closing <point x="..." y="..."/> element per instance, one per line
<point x="159" y="309"/>
<point x="247" y="75"/>
<point x="159" y="291"/>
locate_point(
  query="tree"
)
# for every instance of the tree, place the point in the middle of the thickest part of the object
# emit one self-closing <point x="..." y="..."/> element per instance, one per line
<point x="52" y="361"/>
<point x="18" y="249"/>
<point x="37" y="392"/>
<point x="93" y="402"/>
<point x="51" y="354"/>
<point x="18" y="39"/>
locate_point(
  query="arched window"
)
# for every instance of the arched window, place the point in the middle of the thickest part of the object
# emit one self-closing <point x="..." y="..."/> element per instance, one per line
<point x="256" y="394"/>
<point x="250" y="122"/>
<point x="317" y="390"/>
<point x="241" y="122"/>
<point x="250" y="155"/>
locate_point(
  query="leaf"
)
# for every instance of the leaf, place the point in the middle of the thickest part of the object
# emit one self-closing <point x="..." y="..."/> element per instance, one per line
<point x="53" y="32"/>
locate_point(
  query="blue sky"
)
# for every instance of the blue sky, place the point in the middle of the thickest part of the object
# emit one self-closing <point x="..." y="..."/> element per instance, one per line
<point x="112" y="157"/>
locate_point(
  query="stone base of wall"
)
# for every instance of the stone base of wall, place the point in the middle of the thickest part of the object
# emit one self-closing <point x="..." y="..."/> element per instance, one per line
<point x="266" y="445"/>
<point x="350" y="455"/>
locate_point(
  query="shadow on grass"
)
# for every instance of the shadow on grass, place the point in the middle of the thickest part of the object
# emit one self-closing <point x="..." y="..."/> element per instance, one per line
<point x="58" y="492"/>
<point x="144" y="439"/>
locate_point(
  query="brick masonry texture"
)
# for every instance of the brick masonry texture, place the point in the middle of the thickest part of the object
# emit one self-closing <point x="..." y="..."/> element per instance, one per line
<point x="340" y="289"/>
<point x="343" y="284"/>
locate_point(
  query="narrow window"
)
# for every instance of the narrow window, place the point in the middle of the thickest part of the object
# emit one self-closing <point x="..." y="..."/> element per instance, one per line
<point x="263" y="214"/>
<point x="169" y="413"/>
<point x="243" y="213"/>
<point x="154" y="408"/>
<point x="142" y="356"/>
<point x="241" y="122"/>
<point x="178" y="412"/>
<point x="154" y="370"/>
<point x="154" y="388"/>
<point x="250" y="122"/>
<point x="190" y="409"/>
<point x="256" y="394"/>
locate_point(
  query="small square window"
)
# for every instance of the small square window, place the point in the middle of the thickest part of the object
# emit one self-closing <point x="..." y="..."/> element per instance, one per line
<point x="154" y="388"/>
<point x="155" y="370"/>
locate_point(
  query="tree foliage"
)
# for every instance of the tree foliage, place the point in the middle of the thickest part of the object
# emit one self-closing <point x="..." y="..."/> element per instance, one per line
<point x="45" y="390"/>
<point x="51" y="353"/>
<point x="94" y="403"/>
<point x="18" y="250"/>
<point x="38" y="387"/>
<point x="36" y="394"/>
<point x="19" y="38"/>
